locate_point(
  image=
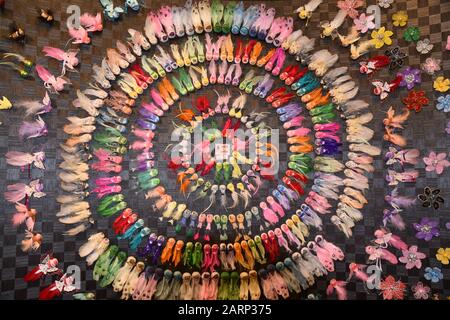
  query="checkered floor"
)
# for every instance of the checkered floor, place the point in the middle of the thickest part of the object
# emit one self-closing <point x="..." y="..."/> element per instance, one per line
<point x="425" y="131"/>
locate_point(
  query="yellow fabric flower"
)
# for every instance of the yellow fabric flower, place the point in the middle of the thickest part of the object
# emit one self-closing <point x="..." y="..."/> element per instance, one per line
<point x="443" y="255"/>
<point x="400" y="19"/>
<point x="381" y="37"/>
<point x="441" y="84"/>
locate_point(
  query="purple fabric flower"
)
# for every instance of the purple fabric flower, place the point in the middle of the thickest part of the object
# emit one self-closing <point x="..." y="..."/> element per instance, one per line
<point x="410" y="76"/>
<point x="427" y="229"/>
<point x="436" y="162"/>
<point x="412" y="258"/>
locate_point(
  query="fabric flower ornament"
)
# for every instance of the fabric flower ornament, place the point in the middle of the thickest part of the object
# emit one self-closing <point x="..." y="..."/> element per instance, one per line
<point x="443" y="103"/>
<point x="431" y="65"/>
<point x="427" y="229"/>
<point x="443" y="255"/>
<point x="385" y="3"/>
<point x="381" y="37"/>
<point x="412" y="34"/>
<point x="433" y="274"/>
<point x="447" y="129"/>
<point x="410" y="76"/>
<point x="424" y="46"/>
<point x="448" y="43"/>
<point x="392" y="289"/>
<point x="431" y="198"/>
<point x="350" y="7"/>
<point x="415" y="100"/>
<point x="400" y="18"/>
<point x="396" y="56"/>
<point x="412" y="258"/>
<point x="436" y="162"/>
<point x="364" y="23"/>
<point x="441" y="84"/>
<point x="421" y="292"/>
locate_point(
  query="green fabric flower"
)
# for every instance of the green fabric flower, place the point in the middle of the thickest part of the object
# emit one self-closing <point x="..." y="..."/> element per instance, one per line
<point x="412" y="34"/>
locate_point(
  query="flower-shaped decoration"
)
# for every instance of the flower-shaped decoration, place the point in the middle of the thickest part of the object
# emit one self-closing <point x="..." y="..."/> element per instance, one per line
<point x="443" y="255"/>
<point x="448" y="43"/>
<point x="431" y="198"/>
<point x="396" y="56"/>
<point x="431" y="65"/>
<point x="443" y="103"/>
<point x="441" y="84"/>
<point x="364" y="23"/>
<point x="392" y="289"/>
<point x="381" y="37"/>
<point x="350" y="7"/>
<point x="415" y="100"/>
<point x="436" y="162"/>
<point x="421" y="291"/>
<point x="427" y="229"/>
<point x="433" y="274"/>
<point x="447" y="225"/>
<point x="385" y="3"/>
<point x="412" y="258"/>
<point x="424" y="46"/>
<point x="410" y="76"/>
<point x="412" y="34"/>
<point x="400" y="18"/>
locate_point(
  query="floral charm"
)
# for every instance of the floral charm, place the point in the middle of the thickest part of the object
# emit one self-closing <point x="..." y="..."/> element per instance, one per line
<point x="396" y="56"/>
<point x="424" y="46"/>
<point x="427" y="229"/>
<point x="448" y="43"/>
<point x="412" y="34"/>
<point x="436" y="162"/>
<point x="400" y="18"/>
<point x="431" y="198"/>
<point x="391" y="289"/>
<point x="381" y="37"/>
<point x="441" y="84"/>
<point x="410" y="76"/>
<point x="364" y="23"/>
<point x="443" y="103"/>
<point x="443" y="255"/>
<point x="385" y="3"/>
<point x="421" y="291"/>
<point x="431" y="65"/>
<point x="433" y="274"/>
<point x="412" y="258"/>
<point x="415" y="100"/>
<point x="447" y="129"/>
<point x="350" y="7"/>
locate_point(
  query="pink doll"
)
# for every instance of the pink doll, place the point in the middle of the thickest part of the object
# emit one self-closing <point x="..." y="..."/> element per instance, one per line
<point x="51" y="83"/>
<point x="69" y="58"/>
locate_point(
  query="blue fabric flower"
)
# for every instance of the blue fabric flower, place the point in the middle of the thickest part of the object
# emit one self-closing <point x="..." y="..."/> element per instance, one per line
<point x="443" y="103"/>
<point x="433" y="274"/>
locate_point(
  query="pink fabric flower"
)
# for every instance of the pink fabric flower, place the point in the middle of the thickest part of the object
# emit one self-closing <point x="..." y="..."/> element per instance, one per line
<point x="448" y="43"/>
<point x="431" y="65"/>
<point x="364" y="23"/>
<point x="350" y="7"/>
<point x="436" y="162"/>
<point x="421" y="291"/>
<point x="412" y="258"/>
